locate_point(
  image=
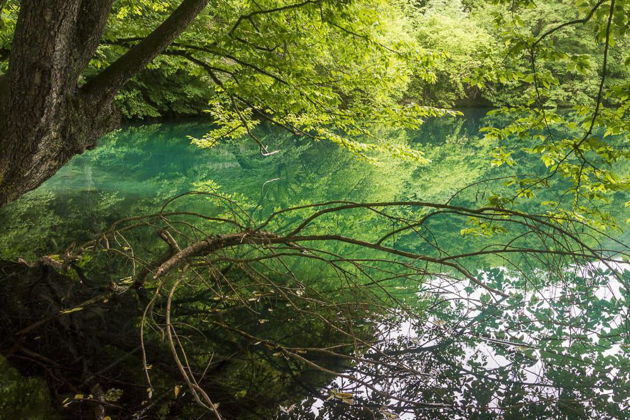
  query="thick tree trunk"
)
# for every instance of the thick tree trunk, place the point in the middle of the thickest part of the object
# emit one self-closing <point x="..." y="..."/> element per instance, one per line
<point x="45" y="119"/>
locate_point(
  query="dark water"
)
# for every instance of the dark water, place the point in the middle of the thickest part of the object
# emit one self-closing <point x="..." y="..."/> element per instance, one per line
<point x="555" y="349"/>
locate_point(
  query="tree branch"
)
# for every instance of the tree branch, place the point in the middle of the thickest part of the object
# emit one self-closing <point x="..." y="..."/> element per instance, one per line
<point x="133" y="61"/>
<point x="250" y="15"/>
<point x="585" y="19"/>
<point x="91" y="20"/>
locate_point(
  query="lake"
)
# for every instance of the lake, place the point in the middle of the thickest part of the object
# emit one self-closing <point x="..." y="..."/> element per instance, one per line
<point x="431" y="344"/>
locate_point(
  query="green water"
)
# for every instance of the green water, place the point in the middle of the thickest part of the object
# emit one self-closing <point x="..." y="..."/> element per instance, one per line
<point x="133" y="171"/>
<point x="136" y="169"/>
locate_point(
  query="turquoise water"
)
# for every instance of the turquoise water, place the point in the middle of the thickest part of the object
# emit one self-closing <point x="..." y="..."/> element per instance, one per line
<point x="136" y="169"/>
<point x="512" y="357"/>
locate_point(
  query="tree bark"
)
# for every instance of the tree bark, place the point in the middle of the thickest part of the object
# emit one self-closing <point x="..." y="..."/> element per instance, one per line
<point x="44" y="122"/>
<point x="45" y="119"/>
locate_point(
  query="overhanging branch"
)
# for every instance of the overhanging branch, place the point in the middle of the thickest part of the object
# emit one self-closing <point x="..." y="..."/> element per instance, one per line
<point x="133" y="61"/>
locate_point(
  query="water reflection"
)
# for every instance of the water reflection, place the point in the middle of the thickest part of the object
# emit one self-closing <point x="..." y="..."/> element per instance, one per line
<point x="555" y="347"/>
<point x="547" y="351"/>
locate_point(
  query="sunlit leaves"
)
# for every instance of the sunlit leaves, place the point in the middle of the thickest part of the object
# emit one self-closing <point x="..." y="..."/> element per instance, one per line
<point x="585" y="145"/>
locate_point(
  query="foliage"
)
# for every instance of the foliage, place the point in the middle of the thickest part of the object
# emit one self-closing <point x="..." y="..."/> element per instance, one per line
<point x="248" y="297"/>
<point x="22" y="397"/>
<point x="462" y="46"/>
<point x="508" y="358"/>
<point x="588" y="143"/>
<point x="328" y="70"/>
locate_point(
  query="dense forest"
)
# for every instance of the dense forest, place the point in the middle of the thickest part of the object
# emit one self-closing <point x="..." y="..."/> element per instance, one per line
<point x="317" y="209"/>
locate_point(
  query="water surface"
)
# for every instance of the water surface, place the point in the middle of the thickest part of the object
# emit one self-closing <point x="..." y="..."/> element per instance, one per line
<point x="484" y="358"/>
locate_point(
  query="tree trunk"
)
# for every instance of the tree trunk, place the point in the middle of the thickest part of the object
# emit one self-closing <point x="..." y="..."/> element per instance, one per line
<point x="45" y="121"/>
<point x="45" y="118"/>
